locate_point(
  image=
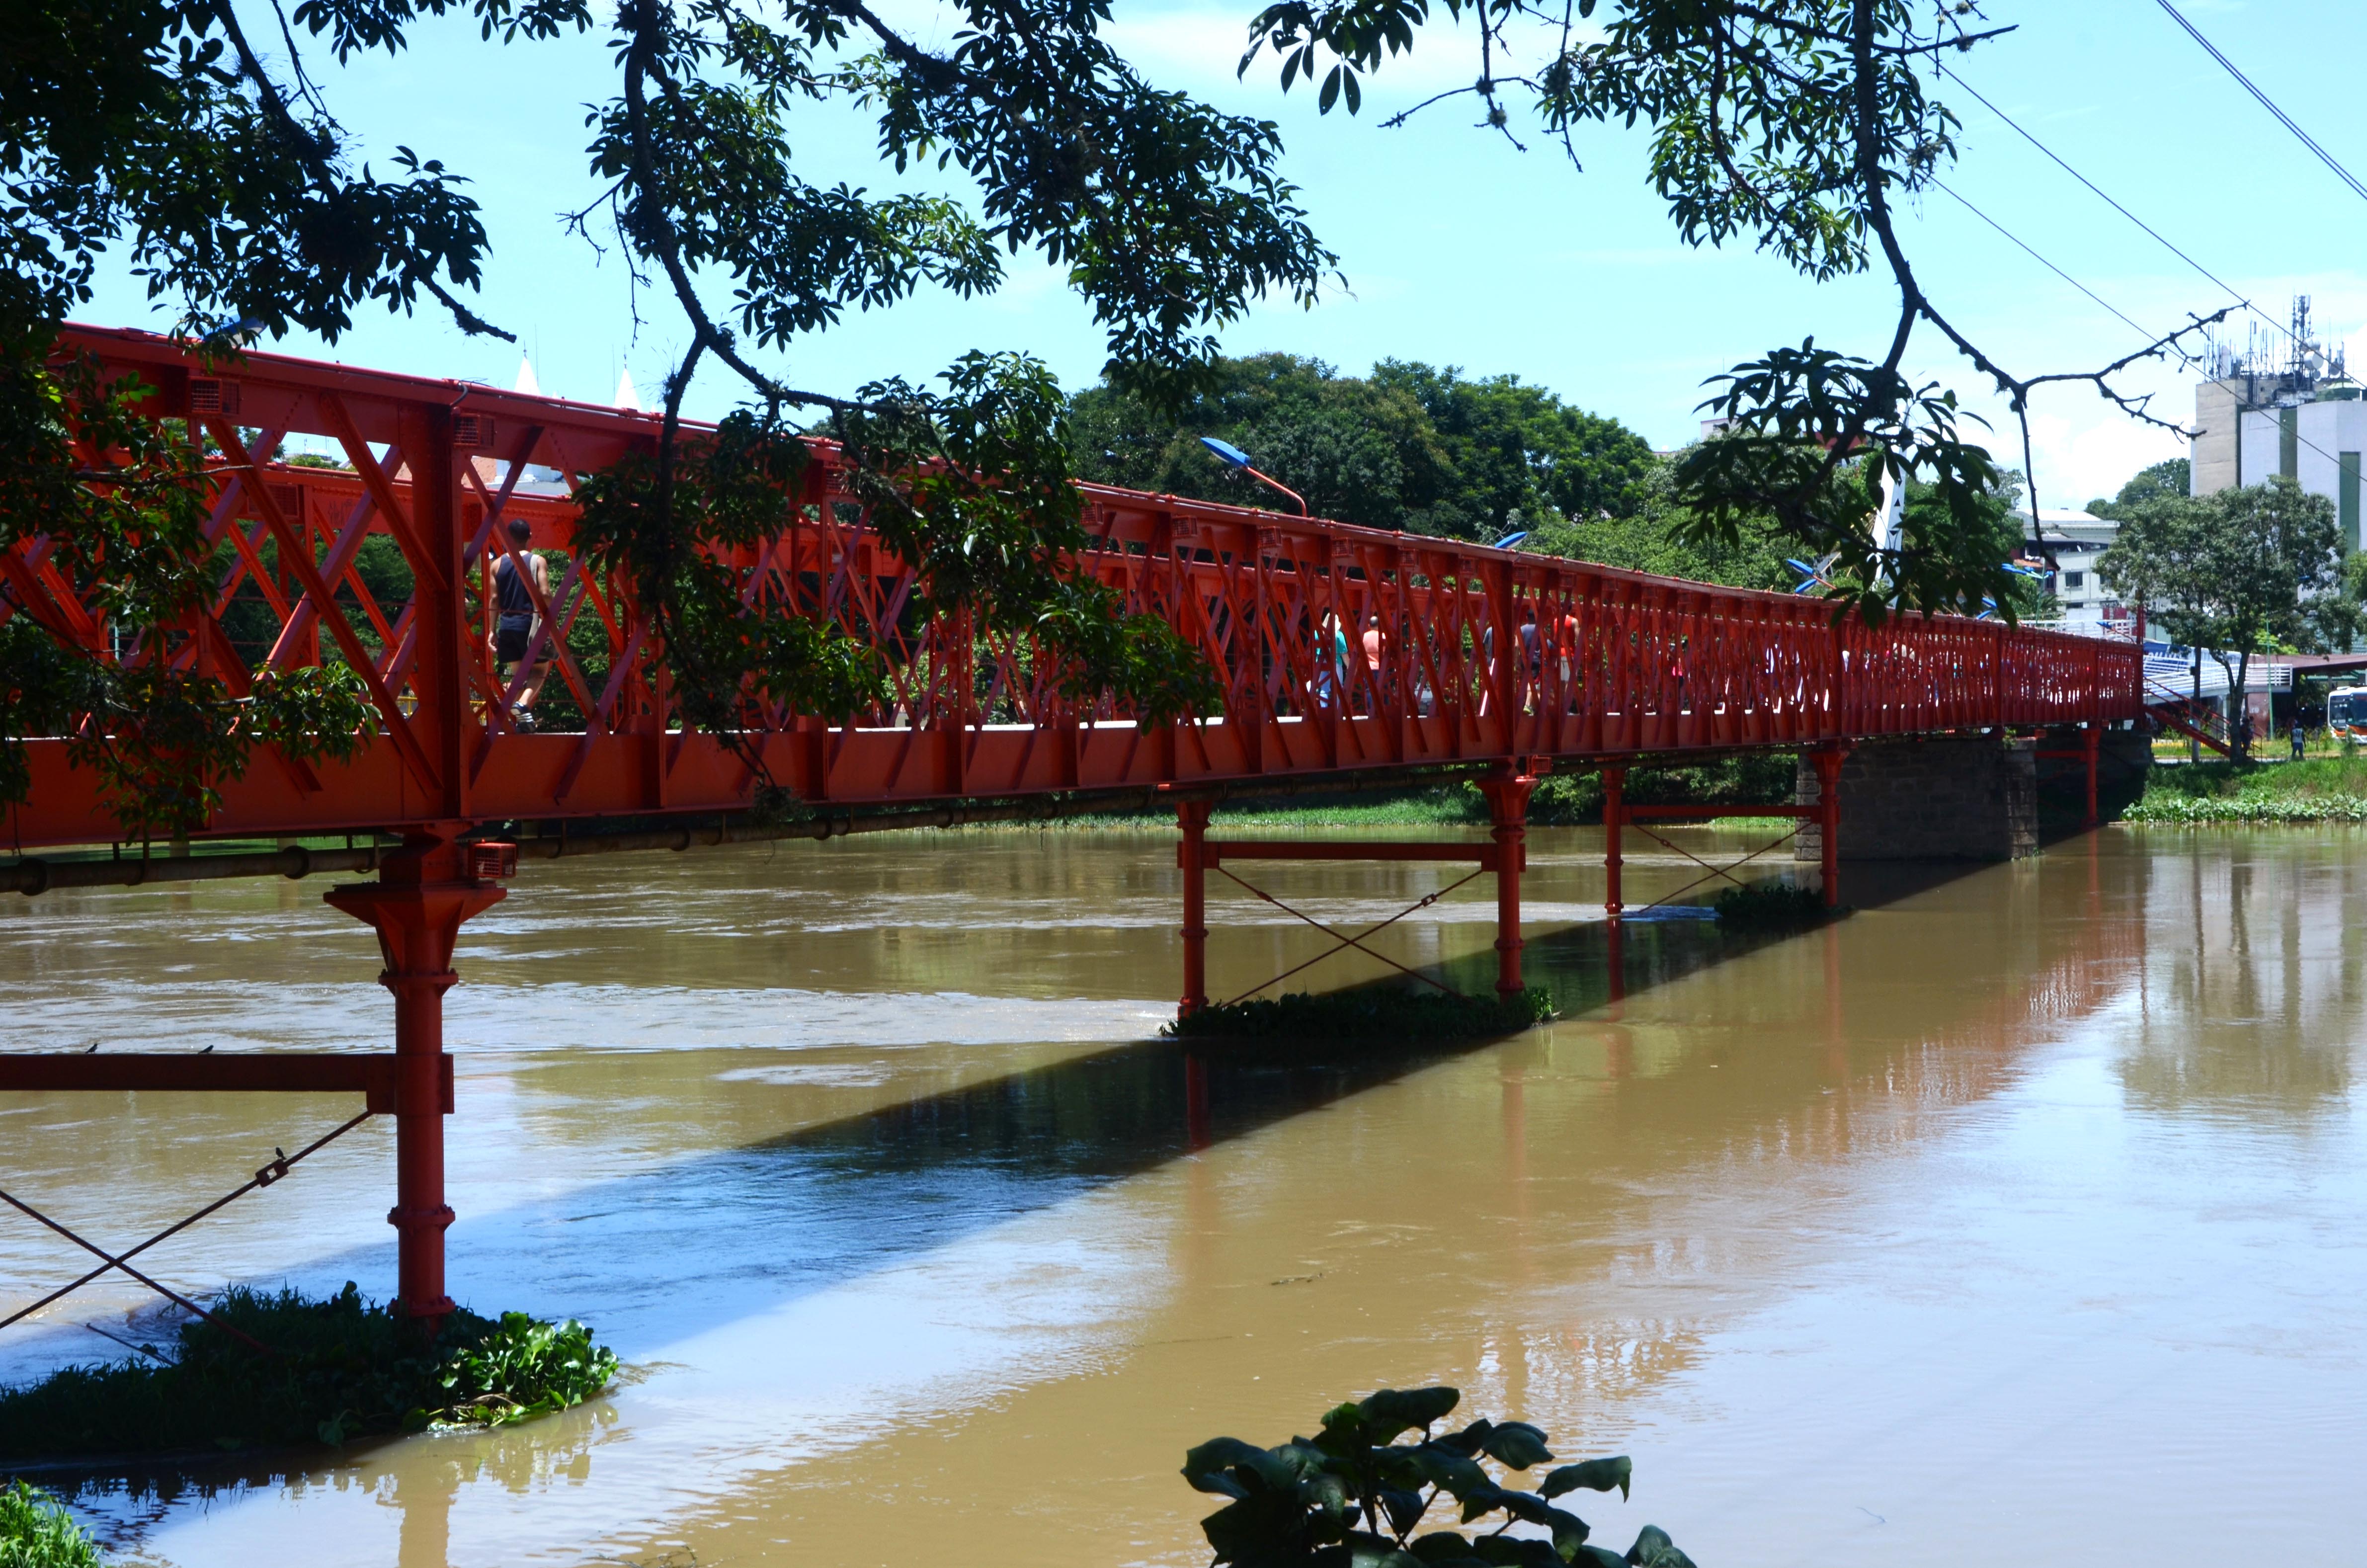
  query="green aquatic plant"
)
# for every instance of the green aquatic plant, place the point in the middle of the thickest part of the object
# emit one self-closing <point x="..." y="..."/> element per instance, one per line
<point x="1770" y="906"/>
<point x="37" y="1532"/>
<point x="1380" y="1015"/>
<point x="337" y="1369"/>
<point x="1356" y="1494"/>
<point x="525" y="1367"/>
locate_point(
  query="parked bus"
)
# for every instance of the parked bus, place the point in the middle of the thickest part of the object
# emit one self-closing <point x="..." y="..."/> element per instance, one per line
<point x="2346" y="713"/>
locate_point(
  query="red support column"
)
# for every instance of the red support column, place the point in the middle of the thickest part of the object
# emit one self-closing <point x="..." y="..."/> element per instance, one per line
<point x="2092" y="741"/>
<point x="1191" y="819"/>
<point x="1615" y="804"/>
<point x="1827" y="761"/>
<point x="416" y="907"/>
<point x="1508" y="804"/>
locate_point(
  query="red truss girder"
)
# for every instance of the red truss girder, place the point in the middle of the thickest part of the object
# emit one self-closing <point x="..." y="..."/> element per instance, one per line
<point x="1486" y="655"/>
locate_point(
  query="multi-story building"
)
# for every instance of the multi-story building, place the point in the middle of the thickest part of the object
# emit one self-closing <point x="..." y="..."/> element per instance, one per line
<point x="2296" y="414"/>
<point x="2075" y="541"/>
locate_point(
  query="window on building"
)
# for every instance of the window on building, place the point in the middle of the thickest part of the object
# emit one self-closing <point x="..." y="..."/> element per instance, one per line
<point x="2074" y="579"/>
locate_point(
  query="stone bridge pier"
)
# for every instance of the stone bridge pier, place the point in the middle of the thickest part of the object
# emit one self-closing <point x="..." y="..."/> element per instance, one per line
<point x="1969" y="797"/>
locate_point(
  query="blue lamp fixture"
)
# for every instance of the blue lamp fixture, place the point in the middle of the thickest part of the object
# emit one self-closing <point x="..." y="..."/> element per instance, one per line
<point x="1233" y="457"/>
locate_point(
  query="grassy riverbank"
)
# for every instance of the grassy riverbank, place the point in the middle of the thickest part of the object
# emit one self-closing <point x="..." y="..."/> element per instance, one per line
<point x="284" y="1371"/>
<point x="1561" y="800"/>
<point x="2317" y="789"/>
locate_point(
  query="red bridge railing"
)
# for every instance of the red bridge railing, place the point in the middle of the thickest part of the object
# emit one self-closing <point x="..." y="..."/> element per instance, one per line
<point x="1480" y="655"/>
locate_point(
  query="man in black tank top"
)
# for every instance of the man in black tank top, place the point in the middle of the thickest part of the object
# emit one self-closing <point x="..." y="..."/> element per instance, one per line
<point x="516" y="624"/>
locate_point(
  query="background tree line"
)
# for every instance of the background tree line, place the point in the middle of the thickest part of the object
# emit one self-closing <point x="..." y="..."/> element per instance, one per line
<point x="1429" y="451"/>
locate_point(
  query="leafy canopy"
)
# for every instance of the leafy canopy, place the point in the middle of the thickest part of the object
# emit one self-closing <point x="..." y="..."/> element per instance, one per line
<point x="1410" y="446"/>
<point x="1357" y="1493"/>
<point x="2239" y="573"/>
<point x="158" y="129"/>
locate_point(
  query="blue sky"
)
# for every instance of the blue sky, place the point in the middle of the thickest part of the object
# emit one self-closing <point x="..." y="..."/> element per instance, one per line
<point x="1459" y="250"/>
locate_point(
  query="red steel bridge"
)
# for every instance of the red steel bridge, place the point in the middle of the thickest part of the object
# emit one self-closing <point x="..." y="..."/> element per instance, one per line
<point x="1487" y="661"/>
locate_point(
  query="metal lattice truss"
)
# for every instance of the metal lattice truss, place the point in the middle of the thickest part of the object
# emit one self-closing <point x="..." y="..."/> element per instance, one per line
<point x="1337" y="648"/>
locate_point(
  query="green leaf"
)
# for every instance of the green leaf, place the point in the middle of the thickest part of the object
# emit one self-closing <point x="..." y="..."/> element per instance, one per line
<point x="1595" y="1475"/>
<point x="1326" y="1494"/>
<point x="1404" y="1506"/>
<point x="1378" y="1552"/>
<point x="1468" y="1441"/>
<point x="1569" y="1531"/>
<point x="1440" y="1548"/>
<point x="1392" y="1411"/>
<point x="1461" y="1476"/>
<point x="1653" y="1548"/>
<point x="1203" y="1467"/>
<point x="1516" y="1552"/>
<point x="1518" y="1444"/>
<point x="1251" y="1529"/>
<point x="1330" y="90"/>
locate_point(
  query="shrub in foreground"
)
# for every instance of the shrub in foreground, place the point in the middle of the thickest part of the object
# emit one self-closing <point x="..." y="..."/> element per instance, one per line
<point x="337" y="1369"/>
<point x="1356" y="1496"/>
<point x="35" y="1532"/>
<point x="1390" y="1016"/>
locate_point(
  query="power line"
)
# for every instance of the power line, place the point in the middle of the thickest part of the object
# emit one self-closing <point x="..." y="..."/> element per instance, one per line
<point x="2163" y="240"/>
<point x="2001" y="228"/>
<point x="2266" y="102"/>
<point x="2149" y="337"/>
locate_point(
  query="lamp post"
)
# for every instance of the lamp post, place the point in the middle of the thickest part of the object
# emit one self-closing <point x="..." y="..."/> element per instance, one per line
<point x="1233" y="457"/>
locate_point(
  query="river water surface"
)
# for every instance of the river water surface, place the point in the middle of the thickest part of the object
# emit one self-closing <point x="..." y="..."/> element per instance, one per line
<point x="2022" y="1214"/>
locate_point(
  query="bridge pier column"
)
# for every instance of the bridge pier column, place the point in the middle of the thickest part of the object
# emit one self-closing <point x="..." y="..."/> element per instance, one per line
<point x="1614" y="805"/>
<point x="416" y="907"/>
<point x="2092" y="744"/>
<point x="1828" y="761"/>
<point x="1508" y="805"/>
<point x="1192" y="821"/>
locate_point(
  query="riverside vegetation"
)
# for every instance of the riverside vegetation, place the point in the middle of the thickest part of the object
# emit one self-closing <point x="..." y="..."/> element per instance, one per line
<point x="1355" y="1496"/>
<point x="1379" y="1013"/>
<point x="37" y="1532"/>
<point x="2317" y="789"/>
<point x="337" y="1369"/>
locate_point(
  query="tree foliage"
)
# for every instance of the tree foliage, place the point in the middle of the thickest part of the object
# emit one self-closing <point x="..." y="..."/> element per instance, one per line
<point x="1357" y="1493"/>
<point x="1796" y="125"/>
<point x="2171" y="478"/>
<point x="2238" y="573"/>
<point x="1409" y="447"/>
<point x="155" y="127"/>
<point x="1659" y="536"/>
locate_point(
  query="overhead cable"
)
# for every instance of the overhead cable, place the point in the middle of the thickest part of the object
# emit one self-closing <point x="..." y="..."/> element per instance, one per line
<point x="2015" y="126"/>
<point x="2027" y="250"/>
<point x="2001" y="228"/>
<point x="2266" y="102"/>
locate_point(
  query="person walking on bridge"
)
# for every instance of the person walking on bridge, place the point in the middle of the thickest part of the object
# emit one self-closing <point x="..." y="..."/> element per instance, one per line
<point x="517" y="628"/>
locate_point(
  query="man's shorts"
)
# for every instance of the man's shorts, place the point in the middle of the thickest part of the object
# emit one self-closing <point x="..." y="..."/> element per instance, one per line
<point x="510" y="637"/>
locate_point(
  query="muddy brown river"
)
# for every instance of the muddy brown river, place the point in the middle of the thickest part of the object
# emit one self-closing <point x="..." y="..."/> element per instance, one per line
<point x="2022" y="1215"/>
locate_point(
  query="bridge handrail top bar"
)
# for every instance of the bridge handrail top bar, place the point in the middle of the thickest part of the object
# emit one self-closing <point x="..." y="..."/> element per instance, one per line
<point x="135" y="344"/>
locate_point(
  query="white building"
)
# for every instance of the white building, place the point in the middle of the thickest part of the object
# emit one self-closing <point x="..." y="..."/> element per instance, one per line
<point x="2314" y="439"/>
<point x="2075" y="540"/>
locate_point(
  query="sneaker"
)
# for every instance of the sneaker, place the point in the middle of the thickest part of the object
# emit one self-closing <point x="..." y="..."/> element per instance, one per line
<point x="522" y="719"/>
